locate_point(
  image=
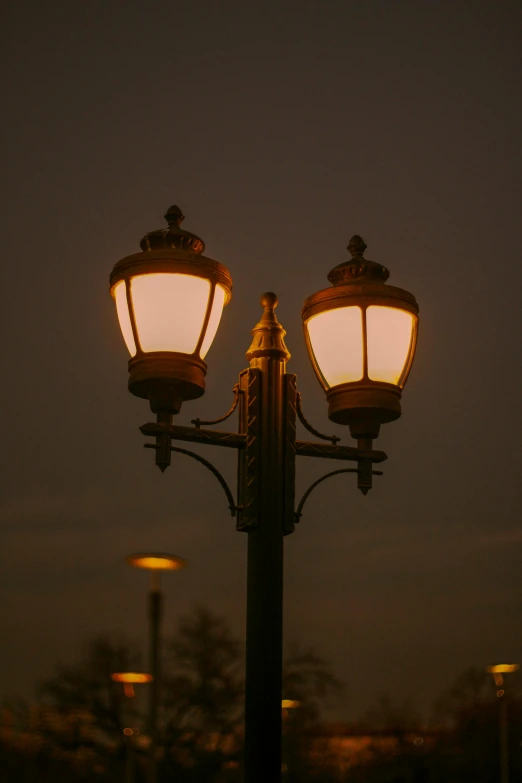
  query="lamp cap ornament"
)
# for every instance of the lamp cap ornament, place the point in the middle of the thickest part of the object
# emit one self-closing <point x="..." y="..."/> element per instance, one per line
<point x="357" y="246"/>
<point x="174" y="236"/>
<point x="268" y="335"/>
<point x="358" y="269"/>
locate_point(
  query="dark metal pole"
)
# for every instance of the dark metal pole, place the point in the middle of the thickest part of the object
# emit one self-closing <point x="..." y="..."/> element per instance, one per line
<point x="264" y="633"/>
<point x="129" y="760"/>
<point x="503" y="736"/>
<point x="155" y="611"/>
<point x="130" y="710"/>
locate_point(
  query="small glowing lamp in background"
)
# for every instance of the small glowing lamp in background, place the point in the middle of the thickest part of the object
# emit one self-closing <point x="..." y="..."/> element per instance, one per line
<point x="503" y="668"/>
<point x="130" y="679"/>
<point x="499" y="669"/>
<point x="169" y="299"/>
<point x="156" y="562"/>
<point x="290" y="704"/>
<point x="361" y="336"/>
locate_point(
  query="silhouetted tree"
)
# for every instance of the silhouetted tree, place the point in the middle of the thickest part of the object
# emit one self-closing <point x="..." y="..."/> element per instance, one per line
<point x="76" y="731"/>
<point x="203" y="690"/>
<point x="469" y="710"/>
<point x="310" y="683"/>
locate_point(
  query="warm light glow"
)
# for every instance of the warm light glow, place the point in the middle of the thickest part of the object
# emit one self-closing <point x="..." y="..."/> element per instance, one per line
<point x="157" y="562"/>
<point x="169" y="310"/>
<point x="128" y="732"/>
<point x="503" y="668"/>
<point x="122" y="309"/>
<point x="132" y="677"/>
<point x="389" y="333"/>
<point x="215" y="318"/>
<point x="290" y="704"/>
<point x="337" y="342"/>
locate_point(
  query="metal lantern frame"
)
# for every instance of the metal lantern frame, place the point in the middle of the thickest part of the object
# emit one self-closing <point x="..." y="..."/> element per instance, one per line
<point x="168" y="378"/>
<point x="366" y="403"/>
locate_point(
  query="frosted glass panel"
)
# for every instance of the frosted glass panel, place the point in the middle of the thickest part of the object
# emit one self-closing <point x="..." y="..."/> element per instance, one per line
<point x="389" y="339"/>
<point x="169" y="310"/>
<point x="215" y="317"/>
<point x="337" y="342"/>
<point x="123" y="317"/>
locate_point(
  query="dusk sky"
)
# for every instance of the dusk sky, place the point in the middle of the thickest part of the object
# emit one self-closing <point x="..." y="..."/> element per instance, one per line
<point x="281" y="129"/>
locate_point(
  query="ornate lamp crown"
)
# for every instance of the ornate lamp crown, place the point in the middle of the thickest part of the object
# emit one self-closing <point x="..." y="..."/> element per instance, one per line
<point x="173" y="236"/>
<point x="358" y="268"/>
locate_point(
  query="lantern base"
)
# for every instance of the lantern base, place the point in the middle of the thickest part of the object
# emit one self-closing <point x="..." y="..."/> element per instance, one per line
<point x="364" y="406"/>
<point x="167" y="379"/>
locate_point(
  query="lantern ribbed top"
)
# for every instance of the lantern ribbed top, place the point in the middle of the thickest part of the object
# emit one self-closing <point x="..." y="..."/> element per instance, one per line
<point x="358" y="268"/>
<point x="172" y="250"/>
<point x="174" y="236"/>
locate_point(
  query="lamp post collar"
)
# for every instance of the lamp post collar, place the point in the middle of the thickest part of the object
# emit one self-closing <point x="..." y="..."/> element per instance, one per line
<point x="174" y="236"/>
<point x="358" y="268"/>
<point x="268" y="335"/>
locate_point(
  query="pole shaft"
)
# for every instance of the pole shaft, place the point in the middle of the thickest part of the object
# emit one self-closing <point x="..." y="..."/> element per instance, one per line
<point x="264" y="633"/>
<point x="503" y="732"/>
<point x="129" y="760"/>
<point x="155" y="611"/>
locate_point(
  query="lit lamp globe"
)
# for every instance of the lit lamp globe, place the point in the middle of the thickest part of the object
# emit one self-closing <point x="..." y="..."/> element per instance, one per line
<point x="169" y="299"/>
<point x="156" y="561"/>
<point x="361" y="336"/>
<point x="130" y="679"/>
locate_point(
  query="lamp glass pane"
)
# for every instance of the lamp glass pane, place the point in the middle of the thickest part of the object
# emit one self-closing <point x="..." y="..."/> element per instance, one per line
<point x="215" y="317"/>
<point x="337" y="342"/>
<point x="169" y="310"/>
<point x="122" y="309"/>
<point x="389" y="333"/>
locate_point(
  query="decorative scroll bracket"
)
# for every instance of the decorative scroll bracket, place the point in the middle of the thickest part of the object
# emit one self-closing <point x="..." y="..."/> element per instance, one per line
<point x="247" y="442"/>
<point x="231" y="503"/>
<point x="299" y="510"/>
<point x="306" y="424"/>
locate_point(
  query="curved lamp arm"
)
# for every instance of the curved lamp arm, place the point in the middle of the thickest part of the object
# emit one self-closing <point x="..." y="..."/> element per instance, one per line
<point x="299" y="511"/>
<point x="306" y="424"/>
<point x="231" y="502"/>
<point x="198" y="422"/>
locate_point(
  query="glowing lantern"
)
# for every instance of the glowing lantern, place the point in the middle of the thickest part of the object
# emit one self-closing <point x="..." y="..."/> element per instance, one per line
<point x="361" y="337"/>
<point x="156" y="562"/>
<point x="169" y="299"/>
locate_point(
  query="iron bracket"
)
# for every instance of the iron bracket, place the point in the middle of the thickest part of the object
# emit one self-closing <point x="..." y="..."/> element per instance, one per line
<point x="306" y="424"/>
<point x="237" y="391"/>
<point x="299" y="511"/>
<point x="247" y="396"/>
<point x="231" y="503"/>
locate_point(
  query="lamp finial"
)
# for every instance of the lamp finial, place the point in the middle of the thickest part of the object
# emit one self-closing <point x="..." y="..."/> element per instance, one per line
<point x="357" y="246"/>
<point x="268" y="334"/>
<point x="174" y="216"/>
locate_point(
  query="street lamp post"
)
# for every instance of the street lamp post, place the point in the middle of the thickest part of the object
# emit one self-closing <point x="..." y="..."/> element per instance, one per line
<point x="361" y="337"/>
<point x="498" y="671"/>
<point x="129" y="680"/>
<point x="155" y="563"/>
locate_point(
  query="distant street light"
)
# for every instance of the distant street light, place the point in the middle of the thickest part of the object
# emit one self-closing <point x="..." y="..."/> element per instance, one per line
<point x="498" y="671"/>
<point x="129" y="680"/>
<point x="361" y="336"/>
<point x="290" y="704"/>
<point x="155" y="563"/>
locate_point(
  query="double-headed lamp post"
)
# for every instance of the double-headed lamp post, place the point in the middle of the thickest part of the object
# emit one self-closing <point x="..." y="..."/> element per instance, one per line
<point x="155" y="563"/>
<point x="361" y="336"/>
